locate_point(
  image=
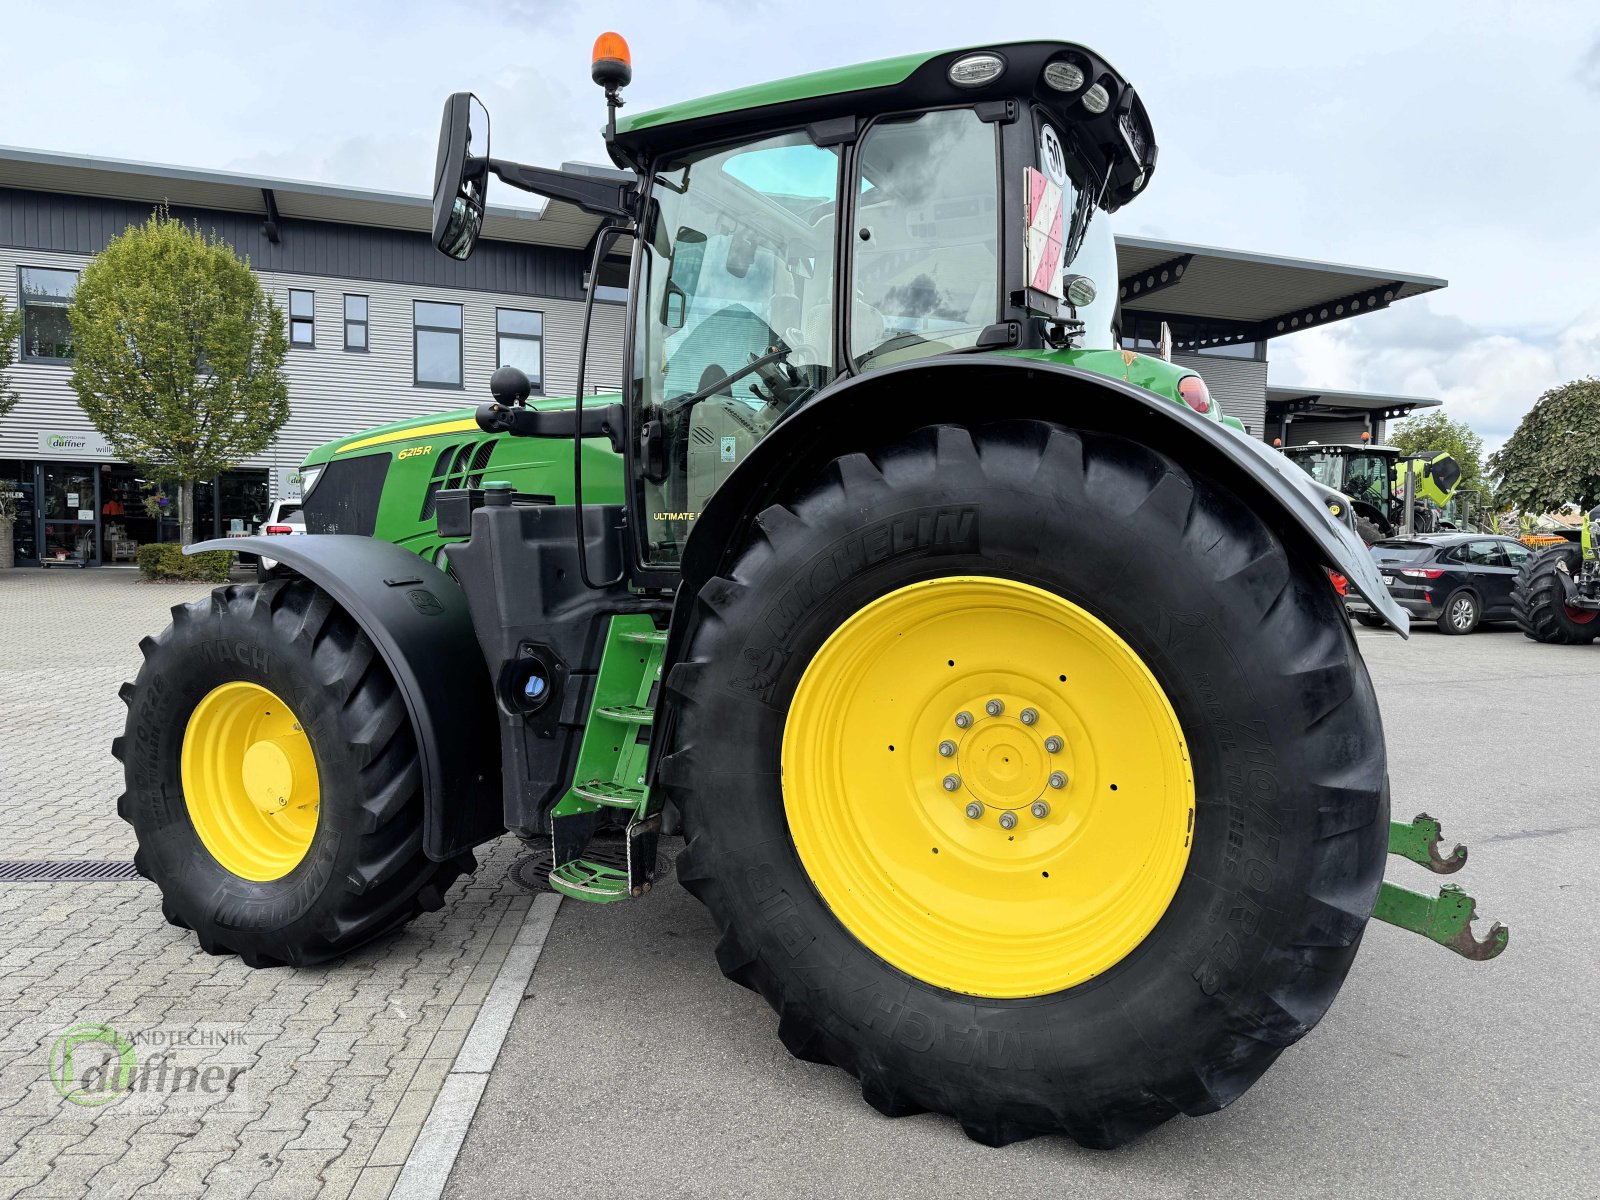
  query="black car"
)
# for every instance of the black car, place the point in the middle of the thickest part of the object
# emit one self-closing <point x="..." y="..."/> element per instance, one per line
<point x="1456" y="579"/>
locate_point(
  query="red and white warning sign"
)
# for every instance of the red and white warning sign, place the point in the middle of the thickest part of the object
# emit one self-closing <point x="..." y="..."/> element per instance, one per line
<point x="1046" y="243"/>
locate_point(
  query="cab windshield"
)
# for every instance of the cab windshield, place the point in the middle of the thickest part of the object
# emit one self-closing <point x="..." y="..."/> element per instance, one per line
<point x="735" y="316"/>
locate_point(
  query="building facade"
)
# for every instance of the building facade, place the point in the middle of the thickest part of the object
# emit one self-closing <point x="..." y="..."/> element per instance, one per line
<point x="382" y="327"/>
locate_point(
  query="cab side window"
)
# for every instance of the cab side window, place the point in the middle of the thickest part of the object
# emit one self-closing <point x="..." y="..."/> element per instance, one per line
<point x="926" y="237"/>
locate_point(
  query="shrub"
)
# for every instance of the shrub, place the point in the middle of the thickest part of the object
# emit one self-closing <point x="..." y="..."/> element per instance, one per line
<point x="166" y="560"/>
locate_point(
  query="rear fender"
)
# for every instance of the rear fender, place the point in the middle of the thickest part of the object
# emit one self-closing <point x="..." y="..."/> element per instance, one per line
<point x="869" y="409"/>
<point x="417" y="617"/>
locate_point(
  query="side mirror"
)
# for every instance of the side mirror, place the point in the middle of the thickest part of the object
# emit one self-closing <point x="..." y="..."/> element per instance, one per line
<point x="461" y="176"/>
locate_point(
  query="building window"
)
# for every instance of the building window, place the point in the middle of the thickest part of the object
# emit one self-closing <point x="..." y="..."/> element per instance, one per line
<point x="302" y="318"/>
<point x="519" y="337"/>
<point x="46" y="297"/>
<point x="436" y="343"/>
<point x="355" y="322"/>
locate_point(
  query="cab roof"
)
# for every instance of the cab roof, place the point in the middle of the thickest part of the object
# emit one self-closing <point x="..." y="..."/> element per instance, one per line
<point x="1118" y="140"/>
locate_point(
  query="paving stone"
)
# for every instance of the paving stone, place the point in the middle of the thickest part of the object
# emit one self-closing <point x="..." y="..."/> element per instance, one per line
<point x="333" y="1056"/>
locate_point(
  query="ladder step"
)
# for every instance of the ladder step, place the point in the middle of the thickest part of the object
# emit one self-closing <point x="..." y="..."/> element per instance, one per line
<point x="590" y="881"/>
<point x="632" y="714"/>
<point x="617" y="795"/>
<point x="650" y="637"/>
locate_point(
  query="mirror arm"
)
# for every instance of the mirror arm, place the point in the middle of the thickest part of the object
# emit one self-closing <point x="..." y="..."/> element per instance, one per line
<point x="602" y="420"/>
<point x="592" y="195"/>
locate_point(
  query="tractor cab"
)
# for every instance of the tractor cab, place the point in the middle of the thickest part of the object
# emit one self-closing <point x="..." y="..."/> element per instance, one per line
<point x="795" y="234"/>
<point x="1362" y="472"/>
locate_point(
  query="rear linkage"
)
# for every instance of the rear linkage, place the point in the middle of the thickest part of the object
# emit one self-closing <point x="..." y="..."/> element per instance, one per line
<point x="1445" y="918"/>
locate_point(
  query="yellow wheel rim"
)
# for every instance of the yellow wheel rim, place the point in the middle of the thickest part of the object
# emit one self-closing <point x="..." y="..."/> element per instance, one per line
<point x="987" y="786"/>
<point x="250" y="781"/>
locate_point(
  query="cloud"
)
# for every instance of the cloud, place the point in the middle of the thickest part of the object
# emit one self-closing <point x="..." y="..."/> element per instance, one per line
<point x="1589" y="68"/>
<point x="1486" y="377"/>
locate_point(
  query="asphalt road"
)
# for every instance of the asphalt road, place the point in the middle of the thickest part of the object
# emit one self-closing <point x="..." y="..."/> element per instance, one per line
<point x="634" y="1069"/>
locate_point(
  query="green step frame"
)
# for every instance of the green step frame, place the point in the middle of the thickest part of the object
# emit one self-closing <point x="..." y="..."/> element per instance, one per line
<point x="615" y="751"/>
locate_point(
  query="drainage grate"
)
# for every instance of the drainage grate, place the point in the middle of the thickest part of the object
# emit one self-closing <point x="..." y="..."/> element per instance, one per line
<point x="66" y="872"/>
<point x="532" y="871"/>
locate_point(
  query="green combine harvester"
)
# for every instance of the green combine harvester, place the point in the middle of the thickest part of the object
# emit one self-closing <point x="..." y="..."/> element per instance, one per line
<point x="1023" y="755"/>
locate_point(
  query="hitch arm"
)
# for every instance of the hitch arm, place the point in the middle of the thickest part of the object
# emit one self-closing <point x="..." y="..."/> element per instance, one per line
<point x="1419" y="841"/>
<point x="1446" y="919"/>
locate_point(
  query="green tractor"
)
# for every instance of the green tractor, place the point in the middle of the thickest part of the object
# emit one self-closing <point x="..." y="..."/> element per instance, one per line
<point x="1023" y="756"/>
<point x="1556" y="597"/>
<point x="1376" y="480"/>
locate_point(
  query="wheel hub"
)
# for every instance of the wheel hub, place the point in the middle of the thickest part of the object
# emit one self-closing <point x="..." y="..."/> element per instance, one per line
<point x="987" y="786"/>
<point x="250" y="782"/>
<point x="1001" y="761"/>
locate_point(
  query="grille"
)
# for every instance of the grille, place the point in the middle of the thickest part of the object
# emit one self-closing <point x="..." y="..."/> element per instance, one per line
<point x="66" y="872"/>
<point x="457" y="467"/>
<point x="347" y="494"/>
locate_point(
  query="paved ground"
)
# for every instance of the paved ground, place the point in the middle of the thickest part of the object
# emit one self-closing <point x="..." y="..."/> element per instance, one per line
<point x="635" y="1068"/>
<point x="340" y="1064"/>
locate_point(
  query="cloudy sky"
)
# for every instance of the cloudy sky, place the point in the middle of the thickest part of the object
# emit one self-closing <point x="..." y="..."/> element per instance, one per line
<point x="1458" y="139"/>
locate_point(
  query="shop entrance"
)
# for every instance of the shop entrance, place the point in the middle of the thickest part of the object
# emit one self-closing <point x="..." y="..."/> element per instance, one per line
<point x="71" y="504"/>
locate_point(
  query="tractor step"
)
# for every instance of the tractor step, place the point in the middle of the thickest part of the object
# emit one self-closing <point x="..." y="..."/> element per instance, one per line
<point x="616" y="795"/>
<point x="1445" y="918"/>
<point x="649" y="637"/>
<point x="592" y="882"/>
<point x="631" y="714"/>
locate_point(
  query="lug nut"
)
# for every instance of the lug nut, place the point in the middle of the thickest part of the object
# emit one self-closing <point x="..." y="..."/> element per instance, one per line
<point x="1028" y="716"/>
<point x="1053" y="745"/>
<point x="994" y="708"/>
<point x="952" y="782"/>
<point x="946" y="749"/>
<point x="1039" y="809"/>
<point x="1058" y="779"/>
<point x="1008" y="820"/>
<point x="974" y="810"/>
<point x="963" y="719"/>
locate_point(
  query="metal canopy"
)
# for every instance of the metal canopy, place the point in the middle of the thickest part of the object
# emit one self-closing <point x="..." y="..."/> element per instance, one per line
<point x="1285" y="402"/>
<point x="1212" y="296"/>
<point x="553" y="224"/>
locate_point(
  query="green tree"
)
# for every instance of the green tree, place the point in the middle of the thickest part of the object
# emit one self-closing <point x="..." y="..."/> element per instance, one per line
<point x="10" y="331"/>
<point x="179" y="356"/>
<point x="1553" y="458"/>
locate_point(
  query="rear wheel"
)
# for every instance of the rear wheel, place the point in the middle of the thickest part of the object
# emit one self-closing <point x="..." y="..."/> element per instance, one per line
<point x="1460" y="613"/>
<point x="1051" y="795"/>
<point x="273" y="780"/>
<point x="1538" y="600"/>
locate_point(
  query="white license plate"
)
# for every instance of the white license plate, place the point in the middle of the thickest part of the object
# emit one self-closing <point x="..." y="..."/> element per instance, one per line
<point x="1388" y="580"/>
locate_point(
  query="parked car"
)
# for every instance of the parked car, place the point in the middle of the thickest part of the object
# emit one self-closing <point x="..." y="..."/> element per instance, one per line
<point x="284" y="519"/>
<point x="1457" y="579"/>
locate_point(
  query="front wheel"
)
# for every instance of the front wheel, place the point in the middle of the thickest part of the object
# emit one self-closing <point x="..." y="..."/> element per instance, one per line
<point x="273" y="781"/>
<point x="1538" y="600"/>
<point x="1030" y="780"/>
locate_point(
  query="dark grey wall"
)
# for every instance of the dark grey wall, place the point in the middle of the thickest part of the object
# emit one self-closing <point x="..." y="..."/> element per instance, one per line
<point x="84" y="224"/>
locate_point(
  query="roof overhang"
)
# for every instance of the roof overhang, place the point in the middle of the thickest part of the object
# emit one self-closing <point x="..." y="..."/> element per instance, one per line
<point x="1211" y="296"/>
<point x="552" y="224"/>
<point x="1290" y="402"/>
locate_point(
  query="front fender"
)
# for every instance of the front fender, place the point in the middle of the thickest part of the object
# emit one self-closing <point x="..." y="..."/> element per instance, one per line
<point x="417" y="617"/>
<point x="969" y="389"/>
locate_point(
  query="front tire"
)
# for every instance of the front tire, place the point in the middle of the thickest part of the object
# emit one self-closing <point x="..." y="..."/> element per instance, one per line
<point x="1275" y="724"/>
<point x="273" y="781"/>
<point x="1539" y="601"/>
